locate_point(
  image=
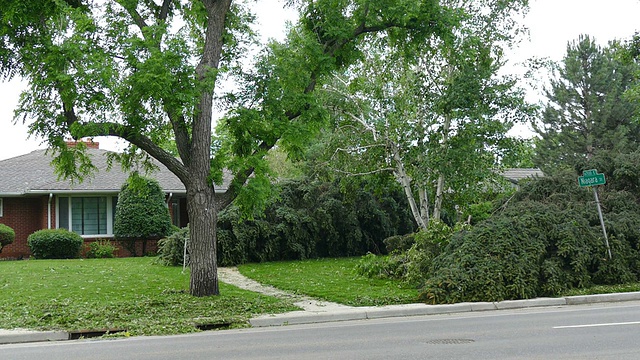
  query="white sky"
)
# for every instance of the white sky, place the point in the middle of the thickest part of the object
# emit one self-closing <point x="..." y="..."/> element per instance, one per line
<point x="552" y="23"/>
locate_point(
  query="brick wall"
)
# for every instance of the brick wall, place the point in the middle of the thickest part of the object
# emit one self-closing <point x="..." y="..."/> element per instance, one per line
<point x="25" y="216"/>
<point x="151" y="248"/>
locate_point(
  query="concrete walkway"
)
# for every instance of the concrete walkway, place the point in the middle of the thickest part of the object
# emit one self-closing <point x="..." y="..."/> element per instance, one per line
<point x="316" y="311"/>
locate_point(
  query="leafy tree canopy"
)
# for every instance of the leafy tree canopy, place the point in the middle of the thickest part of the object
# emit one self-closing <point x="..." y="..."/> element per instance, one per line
<point x="147" y="72"/>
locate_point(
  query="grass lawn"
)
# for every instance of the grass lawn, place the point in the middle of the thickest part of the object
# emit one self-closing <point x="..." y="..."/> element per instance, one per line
<point x="331" y="279"/>
<point x="133" y="294"/>
<point x="605" y="289"/>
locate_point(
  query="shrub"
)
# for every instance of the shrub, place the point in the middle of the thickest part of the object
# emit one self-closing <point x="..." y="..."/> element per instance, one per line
<point x="399" y="243"/>
<point x="141" y="213"/>
<point x="7" y="235"/>
<point x="55" y="244"/>
<point x="381" y="267"/>
<point x="101" y="249"/>
<point x="410" y="255"/>
<point x="533" y="249"/>
<point x="311" y="219"/>
<point x="171" y="248"/>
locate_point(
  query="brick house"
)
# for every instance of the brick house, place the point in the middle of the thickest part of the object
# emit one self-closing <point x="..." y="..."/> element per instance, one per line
<point x="32" y="198"/>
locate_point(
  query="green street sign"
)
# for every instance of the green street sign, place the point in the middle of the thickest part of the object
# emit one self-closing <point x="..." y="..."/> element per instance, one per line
<point x="591" y="178"/>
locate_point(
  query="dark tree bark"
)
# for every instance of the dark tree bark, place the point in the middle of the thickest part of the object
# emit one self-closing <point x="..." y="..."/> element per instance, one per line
<point x="201" y="202"/>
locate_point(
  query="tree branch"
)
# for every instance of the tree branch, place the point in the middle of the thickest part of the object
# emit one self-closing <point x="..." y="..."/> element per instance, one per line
<point x="164" y="10"/>
<point x="135" y="16"/>
<point x="183" y="142"/>
<point x="377" y="171"/>
<point x="355" y="149"/>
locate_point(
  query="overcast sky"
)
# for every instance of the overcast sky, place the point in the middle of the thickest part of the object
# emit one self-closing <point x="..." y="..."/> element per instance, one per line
<point x="552" y="23"/>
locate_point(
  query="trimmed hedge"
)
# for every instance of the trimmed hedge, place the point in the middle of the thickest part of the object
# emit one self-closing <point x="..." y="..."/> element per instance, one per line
<point x="55" y="244"/>
<point x="141" y="213"/>
<point x="7" y="235"/>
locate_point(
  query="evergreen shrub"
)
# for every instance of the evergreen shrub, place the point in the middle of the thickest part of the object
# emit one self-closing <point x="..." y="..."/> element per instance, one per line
<point x="101" y="249"/>
<point x="141" y="213"/>
<point x="312" y="219"/>
<point x="171" y="248"/>
<point x="55" y="244"/>
<point x="546" y="240"/>
<point x="7" y="235"/>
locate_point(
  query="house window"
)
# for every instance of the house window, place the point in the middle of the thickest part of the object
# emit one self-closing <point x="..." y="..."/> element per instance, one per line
<point x="91" y="215"/>
<point x="1" y="205"/>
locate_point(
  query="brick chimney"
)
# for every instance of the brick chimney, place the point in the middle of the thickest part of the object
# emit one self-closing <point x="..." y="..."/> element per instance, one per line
<point x="90" y="144"/>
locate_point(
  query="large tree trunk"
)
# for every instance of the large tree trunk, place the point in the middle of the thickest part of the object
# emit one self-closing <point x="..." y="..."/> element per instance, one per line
<point x="201" y="202"/>
<point x="202" y="245"/>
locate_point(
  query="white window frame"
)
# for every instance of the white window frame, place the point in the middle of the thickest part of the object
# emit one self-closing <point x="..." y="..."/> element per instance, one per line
<point x="109" y="210"/>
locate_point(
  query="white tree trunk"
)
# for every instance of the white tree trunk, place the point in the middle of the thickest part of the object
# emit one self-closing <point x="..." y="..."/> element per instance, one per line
<point x="437" y="207"/>
<point x="405" y="182"/>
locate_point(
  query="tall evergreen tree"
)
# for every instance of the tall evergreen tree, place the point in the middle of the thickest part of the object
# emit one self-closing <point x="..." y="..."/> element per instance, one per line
<point x="586" y="113"/>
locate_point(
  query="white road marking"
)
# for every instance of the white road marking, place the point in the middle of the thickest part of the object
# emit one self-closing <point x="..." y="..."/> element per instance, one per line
<point x="597" y="325"/>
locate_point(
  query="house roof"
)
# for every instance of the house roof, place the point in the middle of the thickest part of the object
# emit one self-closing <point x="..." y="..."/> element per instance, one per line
<point x="33" y="174"/>
<point x="516" y="174"/>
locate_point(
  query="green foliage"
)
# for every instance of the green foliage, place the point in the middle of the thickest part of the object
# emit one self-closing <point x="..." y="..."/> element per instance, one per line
<point x="587" y="114"/>
<point x="479" y="211"/>
<point x="55" y="244"/>
<point x="7" y="235"/>
<point x="410" y="255"/>
<point x="101" y="249"/>
<point x="399" y="243"/>
<point x="451" y="137"/>
<point x="147" y="73"/>
<point x="312" y="219"/>
<point x="171" y="248"/>
<point x="381" y="266"/>
<point x="544" y="241"/>
<point x="141" y="213"/>
<point x="518" y="154"/>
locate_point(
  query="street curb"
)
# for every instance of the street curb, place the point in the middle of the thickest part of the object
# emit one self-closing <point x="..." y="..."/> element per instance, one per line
<point x="363" y="313"/>
<point x="26" y="336"/>
<point x="590" y="299"/>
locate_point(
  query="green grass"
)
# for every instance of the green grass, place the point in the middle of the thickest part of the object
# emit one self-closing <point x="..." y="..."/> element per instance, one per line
<point x="605" y="289"/>
<point x="149" y="299"/>
<point x="133" y="294"/>
<point x="330" y="279"/>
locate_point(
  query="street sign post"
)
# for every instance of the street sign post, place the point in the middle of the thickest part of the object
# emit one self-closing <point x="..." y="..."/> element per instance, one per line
<point x="591" y="178"/>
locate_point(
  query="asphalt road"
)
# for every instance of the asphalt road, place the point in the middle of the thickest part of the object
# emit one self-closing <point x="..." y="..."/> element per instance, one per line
<point x="601" y="331"/>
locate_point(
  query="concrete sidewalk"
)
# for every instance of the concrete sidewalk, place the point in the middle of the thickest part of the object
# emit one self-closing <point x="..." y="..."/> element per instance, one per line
<point x="328" y="312"/>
